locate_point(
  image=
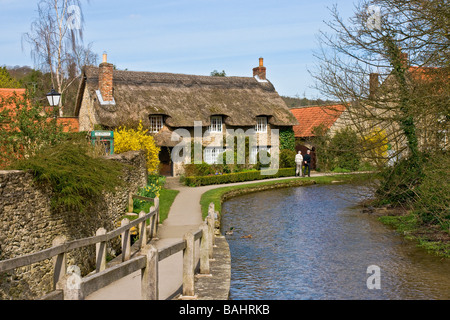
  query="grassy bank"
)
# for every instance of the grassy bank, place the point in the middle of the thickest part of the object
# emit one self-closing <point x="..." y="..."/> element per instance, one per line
<point x="166" y="198"/>
<point x="221" y="194"/>
<point x="431" y="237"/>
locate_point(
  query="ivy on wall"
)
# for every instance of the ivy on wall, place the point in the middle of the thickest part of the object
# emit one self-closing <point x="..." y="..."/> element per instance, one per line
<point x="287" y="139"/>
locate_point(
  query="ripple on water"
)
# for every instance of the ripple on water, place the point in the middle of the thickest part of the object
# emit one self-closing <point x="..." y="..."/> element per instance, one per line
<point x="308" y="243"/>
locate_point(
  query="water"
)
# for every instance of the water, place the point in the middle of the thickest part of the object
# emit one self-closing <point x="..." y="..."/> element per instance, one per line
<point x="312" y="243"/>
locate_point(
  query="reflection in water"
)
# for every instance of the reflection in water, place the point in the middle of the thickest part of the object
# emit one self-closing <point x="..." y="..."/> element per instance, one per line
<point x="308" y="243"/>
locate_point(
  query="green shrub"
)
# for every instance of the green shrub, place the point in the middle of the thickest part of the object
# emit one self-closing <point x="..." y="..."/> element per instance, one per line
<point x="398" y="183"/>
<point x="287" y="158"/>
<point x="433" y="194"/>
<point x="235" y="177"/>
<point x="344" y="152"/>
<point x="259" y="155"/>
<point x="76" y="176"/>
<point x="198" y="169"/>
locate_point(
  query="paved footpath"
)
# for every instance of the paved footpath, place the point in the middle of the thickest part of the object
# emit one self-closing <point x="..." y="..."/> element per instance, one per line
<point x="184" y="216"/>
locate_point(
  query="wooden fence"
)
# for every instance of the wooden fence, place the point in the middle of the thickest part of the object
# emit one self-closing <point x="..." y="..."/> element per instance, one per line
<point x="69" y="285"/>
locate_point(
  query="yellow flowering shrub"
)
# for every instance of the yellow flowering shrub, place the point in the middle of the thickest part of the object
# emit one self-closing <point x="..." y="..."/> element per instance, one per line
<point x="128" y="139"/>
<point x="376" y="144"/>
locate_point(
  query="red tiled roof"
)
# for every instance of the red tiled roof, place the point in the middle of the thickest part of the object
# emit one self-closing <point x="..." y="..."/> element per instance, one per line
<point x="311" y="117"/>
<point x="6" y="93"/>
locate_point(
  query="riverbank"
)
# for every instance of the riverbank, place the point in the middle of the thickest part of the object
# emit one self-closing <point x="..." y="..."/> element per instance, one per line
<point x="430" y="237"/>
<point x="222" y="193"/>
<point x="315" y="243"/>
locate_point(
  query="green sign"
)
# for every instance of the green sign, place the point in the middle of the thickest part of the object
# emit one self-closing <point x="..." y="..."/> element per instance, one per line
<point x="103" y="138"/>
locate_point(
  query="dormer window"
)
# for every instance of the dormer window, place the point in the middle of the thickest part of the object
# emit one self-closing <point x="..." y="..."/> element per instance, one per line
<point x="261" y="124"/>
<point x="216" y="124"/>
<point x="156" y="123"/>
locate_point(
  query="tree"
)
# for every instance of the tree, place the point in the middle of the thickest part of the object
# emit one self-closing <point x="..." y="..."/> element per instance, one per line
<point x="216" y="73"/>
<point x="25" y="129"/>
<point x="389" y="65"/>
<point x="56" y="40"/>
<point x="6" y="81"/>
<point x="404" y="46"/>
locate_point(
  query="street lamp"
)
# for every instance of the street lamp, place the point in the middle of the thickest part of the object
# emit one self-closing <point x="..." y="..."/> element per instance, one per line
<point x="53" y="98"/>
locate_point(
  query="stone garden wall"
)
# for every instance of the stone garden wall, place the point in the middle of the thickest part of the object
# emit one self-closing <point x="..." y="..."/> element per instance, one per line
<point x="28" y="224"/>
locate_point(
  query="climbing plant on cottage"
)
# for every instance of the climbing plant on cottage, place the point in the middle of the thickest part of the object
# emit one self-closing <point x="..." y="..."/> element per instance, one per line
<point x="129" y="139"/>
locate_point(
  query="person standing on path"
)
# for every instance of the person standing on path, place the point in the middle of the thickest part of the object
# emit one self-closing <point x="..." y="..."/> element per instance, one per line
<point x="307" y="163"/>
<point x="299" y="164"/>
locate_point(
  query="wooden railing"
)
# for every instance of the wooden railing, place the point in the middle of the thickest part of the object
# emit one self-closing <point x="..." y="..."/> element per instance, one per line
<point x="69" y="285"/>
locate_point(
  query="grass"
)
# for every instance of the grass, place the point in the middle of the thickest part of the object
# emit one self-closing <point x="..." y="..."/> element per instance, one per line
<point x="218" y="195"/>
<point x="429" y="237"/>
<point x="166" y="198"/>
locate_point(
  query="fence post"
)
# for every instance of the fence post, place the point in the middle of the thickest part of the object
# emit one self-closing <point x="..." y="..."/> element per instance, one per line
<point x="153" y="223"/>
<point x="210" y="225"/>
<point x="204" y="250"/>
<point x="130" y="202"/>
<point x="212" y="215"/>
<point x="188" y="266"/>
<point x="149" y="275"/>
<point x="156" y="201"/>
<point x="126" y="247"/>
<point x="143" y="230"/>
<point x="59" y="261"/>
<point x="100" y="251"/>
<point x="211" y="210"/>
<point x="71" y="284"/>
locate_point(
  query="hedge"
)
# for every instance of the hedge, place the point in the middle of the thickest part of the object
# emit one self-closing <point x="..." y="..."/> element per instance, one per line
<point x="236" y="177"/>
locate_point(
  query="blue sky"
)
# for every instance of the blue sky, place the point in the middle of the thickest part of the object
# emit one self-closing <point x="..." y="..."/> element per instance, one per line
<point x="192" y="36"/>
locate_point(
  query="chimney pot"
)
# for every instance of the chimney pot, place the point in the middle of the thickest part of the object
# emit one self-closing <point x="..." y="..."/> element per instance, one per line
<point x="105" y="55"/>
<point x="261" y="62"/>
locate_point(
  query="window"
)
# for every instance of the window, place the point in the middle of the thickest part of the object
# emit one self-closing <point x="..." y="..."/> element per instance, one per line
<point x="216" y="124"/>
<point x="255" y="150"/>
<point x="211" y="155"/>
<point x="261" y="124"/>
<point x="156" y="123"/>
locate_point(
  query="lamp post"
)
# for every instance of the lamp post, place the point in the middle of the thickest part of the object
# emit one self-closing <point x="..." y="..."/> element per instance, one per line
<point x="53" y="98"/>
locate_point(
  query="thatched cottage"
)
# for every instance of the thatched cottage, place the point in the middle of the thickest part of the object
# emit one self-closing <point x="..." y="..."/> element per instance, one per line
<point x="164" y="102"/>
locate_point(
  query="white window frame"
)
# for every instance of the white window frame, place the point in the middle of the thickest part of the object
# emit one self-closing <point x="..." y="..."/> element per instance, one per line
<point x="210" y="154"/>
<point x="156" y="123"/>
<point x="216" y="124"/>
<point x="261" y="125"/>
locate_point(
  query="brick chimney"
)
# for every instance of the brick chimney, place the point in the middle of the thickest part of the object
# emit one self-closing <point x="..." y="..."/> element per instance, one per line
<point x="105" y="79"/>
<point x="260" y="71"/>
<point x="404" y="59"/>
<point x="373" y="84"/>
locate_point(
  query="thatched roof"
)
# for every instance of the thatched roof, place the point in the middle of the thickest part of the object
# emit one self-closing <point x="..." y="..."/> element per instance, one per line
<point x="184" y="99"/>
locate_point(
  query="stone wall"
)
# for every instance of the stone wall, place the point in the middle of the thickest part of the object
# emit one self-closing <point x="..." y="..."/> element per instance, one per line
<point x="28" y="224"/>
